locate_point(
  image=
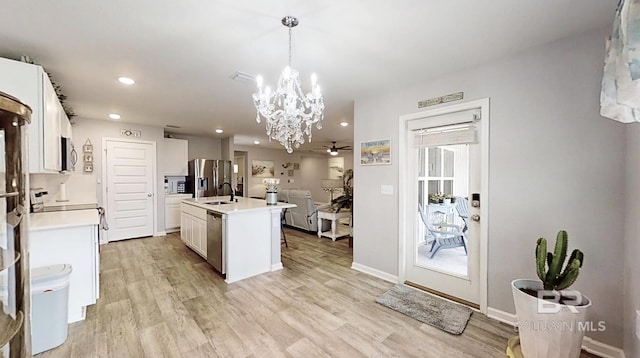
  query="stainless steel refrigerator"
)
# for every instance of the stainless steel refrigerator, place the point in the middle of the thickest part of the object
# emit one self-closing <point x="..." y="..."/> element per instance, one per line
<point x="207" y="176"/>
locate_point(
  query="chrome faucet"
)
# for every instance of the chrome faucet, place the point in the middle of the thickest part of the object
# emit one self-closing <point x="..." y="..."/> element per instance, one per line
<point x="230" y="187"/>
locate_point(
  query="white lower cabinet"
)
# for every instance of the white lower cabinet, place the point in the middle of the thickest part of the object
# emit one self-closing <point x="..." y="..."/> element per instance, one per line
<point x="193" y="228"/>
<point x="77" y="246"/>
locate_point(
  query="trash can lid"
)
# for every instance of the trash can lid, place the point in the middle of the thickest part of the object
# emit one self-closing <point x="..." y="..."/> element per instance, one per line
<point x="49" y="273"/>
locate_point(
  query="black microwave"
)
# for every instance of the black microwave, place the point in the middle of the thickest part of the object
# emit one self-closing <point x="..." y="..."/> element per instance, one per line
<point x="69" y="157"/>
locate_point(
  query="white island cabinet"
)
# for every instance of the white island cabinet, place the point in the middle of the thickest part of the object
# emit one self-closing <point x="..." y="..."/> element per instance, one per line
<point x="250" y="233"/>
<point x="69" y="237"/>
<point x="193" y="228"/>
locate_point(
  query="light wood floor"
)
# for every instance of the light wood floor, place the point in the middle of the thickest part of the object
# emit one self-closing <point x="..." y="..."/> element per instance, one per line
<point x="160" y="299"/>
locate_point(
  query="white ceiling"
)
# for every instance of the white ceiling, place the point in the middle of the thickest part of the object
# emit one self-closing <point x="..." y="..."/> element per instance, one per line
<point x="182" y="53"/>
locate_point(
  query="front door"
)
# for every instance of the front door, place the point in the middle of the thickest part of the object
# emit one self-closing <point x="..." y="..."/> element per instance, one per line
<point x="443" y="186"/>
<point x="130" y="194"/>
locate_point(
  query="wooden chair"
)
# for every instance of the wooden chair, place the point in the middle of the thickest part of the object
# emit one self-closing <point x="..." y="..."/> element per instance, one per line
<point x="462" y="206"/>
<point x="446" y="236"/>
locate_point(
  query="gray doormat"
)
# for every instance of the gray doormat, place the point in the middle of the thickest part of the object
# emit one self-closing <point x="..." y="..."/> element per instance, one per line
<point x="449" y="317"/>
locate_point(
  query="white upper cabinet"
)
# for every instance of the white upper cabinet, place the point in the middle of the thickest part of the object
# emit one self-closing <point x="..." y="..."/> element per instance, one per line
<point x="50" y="129"/>
<point x="175" y="157"/>
<point x="31" y="85"/>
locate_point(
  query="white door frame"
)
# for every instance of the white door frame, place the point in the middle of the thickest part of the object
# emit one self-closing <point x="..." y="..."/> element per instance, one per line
<point x="153" y="170"/>
<point x="406" y="204"/>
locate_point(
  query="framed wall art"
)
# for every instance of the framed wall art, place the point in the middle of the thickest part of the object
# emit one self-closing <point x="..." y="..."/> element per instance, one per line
<point x="375" y="152"/>
<point x="262" y="169"/>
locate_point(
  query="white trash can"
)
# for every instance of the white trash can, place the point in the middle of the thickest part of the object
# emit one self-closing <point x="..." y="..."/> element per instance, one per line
<point x="49" y="306"/>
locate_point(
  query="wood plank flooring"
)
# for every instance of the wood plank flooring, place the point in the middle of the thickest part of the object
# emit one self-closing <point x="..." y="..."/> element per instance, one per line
<point x="160" y="299"/>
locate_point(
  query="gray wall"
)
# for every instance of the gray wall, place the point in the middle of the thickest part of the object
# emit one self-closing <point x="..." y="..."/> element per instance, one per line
<point x="95" y="130"/>
<point x="554" y="164"/>
<point x="279" y="157"/>
<point x="202" y="147"/>
<point x="632" y="241"/>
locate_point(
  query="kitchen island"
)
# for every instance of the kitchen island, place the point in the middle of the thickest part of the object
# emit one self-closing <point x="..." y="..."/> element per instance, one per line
<point x="245" y="233"/>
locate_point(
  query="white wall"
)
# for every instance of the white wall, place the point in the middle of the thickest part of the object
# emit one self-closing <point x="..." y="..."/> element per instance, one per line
<point x="554" y="164"/>
<point x="95" y="130"/>
<point x="80" y="188"/>
<point x="632" y="241"/>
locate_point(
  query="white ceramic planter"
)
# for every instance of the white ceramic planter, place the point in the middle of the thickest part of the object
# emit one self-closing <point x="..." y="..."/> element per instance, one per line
<point x="547" y="329"/>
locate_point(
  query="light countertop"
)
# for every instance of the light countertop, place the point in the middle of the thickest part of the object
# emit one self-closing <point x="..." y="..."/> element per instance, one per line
<point x="63" y="219"/>
<point x="243" y="204"/>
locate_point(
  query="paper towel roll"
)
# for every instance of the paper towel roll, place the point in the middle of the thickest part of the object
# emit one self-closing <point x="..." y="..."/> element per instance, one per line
<point x="62" y="193"/>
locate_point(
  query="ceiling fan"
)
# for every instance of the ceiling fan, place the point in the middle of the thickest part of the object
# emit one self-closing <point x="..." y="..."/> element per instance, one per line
<point x="333" y="150"/>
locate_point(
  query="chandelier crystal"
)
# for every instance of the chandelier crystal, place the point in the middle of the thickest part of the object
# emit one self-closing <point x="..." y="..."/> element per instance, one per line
<point x="290" y="114"/>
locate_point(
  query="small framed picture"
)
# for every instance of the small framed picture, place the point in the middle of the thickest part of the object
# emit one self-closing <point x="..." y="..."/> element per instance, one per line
<point x="296" y="166"/>
<point x="290" y="172"/>
<point x="87" y="148"/>
<point x="88" y="167"/>
<point x="375" y="152"/>
<point x="88" y="158"/>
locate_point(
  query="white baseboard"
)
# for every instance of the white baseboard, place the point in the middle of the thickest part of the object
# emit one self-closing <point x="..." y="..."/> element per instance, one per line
<point x="600" y="349"/>
<point x="276" y="267"/>
<point x="588" y="344"/>
<point x="160" y="233"/>
<point x="502" y="316"/>
<point x="374" y="272"/>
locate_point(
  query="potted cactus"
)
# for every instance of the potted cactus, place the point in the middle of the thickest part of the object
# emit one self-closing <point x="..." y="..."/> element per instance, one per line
<point x="551" y="318"/>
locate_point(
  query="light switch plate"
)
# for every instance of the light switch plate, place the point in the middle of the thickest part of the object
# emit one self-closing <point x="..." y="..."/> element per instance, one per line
<point x="386" y="189"/>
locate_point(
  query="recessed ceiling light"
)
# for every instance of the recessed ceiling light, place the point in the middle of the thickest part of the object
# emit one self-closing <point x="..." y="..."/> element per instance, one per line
<point x="344" y="124"/>
<point x="256" y="142"/>
<point x="114" y="116"/>
<point x="126" y="80"/>
<point x="219" y="130"/>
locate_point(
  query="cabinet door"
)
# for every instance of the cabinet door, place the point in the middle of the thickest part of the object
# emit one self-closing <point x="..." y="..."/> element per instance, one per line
<point x="65" y="125"/>
<point x="51" y="126"/>
<point x="199" y="236"/>
<point x="172" y="216"/>
<point x="188" y="237"/>
<point x="183" y="226"/>
<point x="202" y="228"/>
<point x="176" y="156"/>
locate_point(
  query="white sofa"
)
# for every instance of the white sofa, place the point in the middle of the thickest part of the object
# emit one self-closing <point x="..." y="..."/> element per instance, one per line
<point x="305" y="215"/>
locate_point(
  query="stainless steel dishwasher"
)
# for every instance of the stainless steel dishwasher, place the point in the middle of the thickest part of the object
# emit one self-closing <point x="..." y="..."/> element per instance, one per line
<point x="215" y="244"/>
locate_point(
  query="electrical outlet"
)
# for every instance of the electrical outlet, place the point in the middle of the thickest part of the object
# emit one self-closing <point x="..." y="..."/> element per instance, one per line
<point x="638" y="324"/>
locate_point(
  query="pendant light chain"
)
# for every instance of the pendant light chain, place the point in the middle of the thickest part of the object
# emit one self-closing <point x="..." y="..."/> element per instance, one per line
<point x="289" y="45"/>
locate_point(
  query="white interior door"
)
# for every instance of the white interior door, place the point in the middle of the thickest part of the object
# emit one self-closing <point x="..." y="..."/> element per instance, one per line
<point x="444" y="245"/>
<point x="130" y="189"/>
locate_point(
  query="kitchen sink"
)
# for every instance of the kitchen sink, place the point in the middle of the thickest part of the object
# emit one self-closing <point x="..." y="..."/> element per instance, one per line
<point x="218" y="202"/>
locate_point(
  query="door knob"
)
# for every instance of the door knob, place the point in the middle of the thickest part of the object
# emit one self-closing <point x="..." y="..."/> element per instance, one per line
<point x="149" y="195"/>
<point x="475" y="217"/>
